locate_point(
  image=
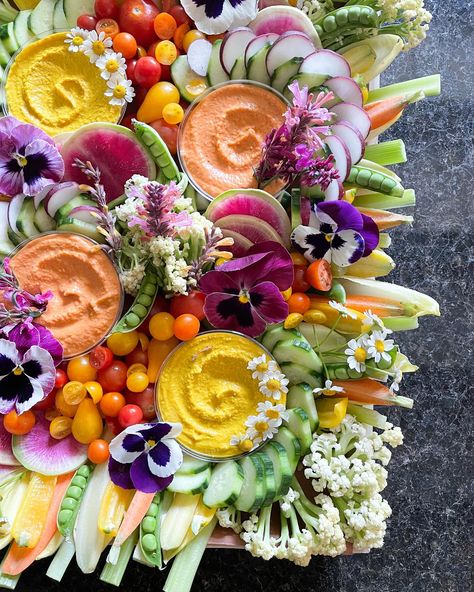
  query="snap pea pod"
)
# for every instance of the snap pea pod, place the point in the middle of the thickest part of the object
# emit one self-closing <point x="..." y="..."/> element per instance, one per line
<point x="142" y="304"/>
<point x="344" y="41"/>
<point x="72" y="500"/>
<point x="331" y="24"/>
<point x="377" y="181"/>
<point x="341" y="372"/>
<point x="150" y="528"/>
<point x="183" y="183"/>
<point x="154" y="143"/>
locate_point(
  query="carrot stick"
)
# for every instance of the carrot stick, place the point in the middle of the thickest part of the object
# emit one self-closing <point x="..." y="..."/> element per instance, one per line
<point x="381" y="112"/>
<point x="371" y="392"/>
<point x="385" y="219"/>
<point x="19" y="558"/>
<point x="133" y="516"/>
<point x="379" y="306"/>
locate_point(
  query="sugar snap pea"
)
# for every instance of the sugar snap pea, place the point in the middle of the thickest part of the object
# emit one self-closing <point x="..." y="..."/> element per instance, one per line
<point x="341" y="372"/>
<point x="72" y="500"/>
<point x="150" y="532"/>
<point x="350" y="17"/>
<point x="152" y="140"/>
<point x="142" y="304"/>
<point x="370" y="179"/>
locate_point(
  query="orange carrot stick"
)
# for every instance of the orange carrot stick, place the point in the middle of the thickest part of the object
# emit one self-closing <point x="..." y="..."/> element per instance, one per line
<point x="19" y="558"/>
<point x="385" y="219"/>
<point x="133" y="516"/>
<point x="371" y="392"/>
<point x="381" y="112"/>
<point x="379" y="306"/>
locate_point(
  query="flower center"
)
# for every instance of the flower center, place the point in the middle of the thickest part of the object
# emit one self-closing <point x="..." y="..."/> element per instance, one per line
<point x="261" y="426"/>
<point x="77" y="40"/>
<point x="246" y="445"/>
<point x="98" y="48"/>
<point x="119" y="91"/>
<point x="360" y="354"/>
<point x="111" y="66"/>
<point x="151" y="443"/>
<point x="273" y="384"/>
<point x="18" y="371"/>
<point x="272" y="414"/>
<point x="21" y="160"/>
<point x="244" y="297"/>
<point x="330" y="392"/>
<point x="380" y="345"/>
<point x="262" y="367"/>
<point x="328" y="237"/>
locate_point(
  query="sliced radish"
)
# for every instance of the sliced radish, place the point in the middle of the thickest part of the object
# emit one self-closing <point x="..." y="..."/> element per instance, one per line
<point x="342" y="157"/>
<point x="346" y="89"/>
<point x="85" y="213"/>
<point x="352" y="138"/>
<point x="41" y="195"/>
<point x="60" y="196"/>
<point x="334" y="192"/>
<point x="354" y="115"/>
<point x="289" y="45"/>
<point x="325" y="61"/>
<point x="257" y="43"/>
<point x="233" y="46"/>
<point x="279" y="19"/>
<point x="14" y="208"/>
<point x="199" y="54"/>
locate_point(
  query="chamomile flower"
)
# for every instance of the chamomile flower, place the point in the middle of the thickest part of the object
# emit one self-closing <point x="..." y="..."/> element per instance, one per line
<point x="372" y="320"/>
<point x="329" y="389"/>
<point x="394" y="387"/>
<point x="345" y="312"/>
<point x="261" y="427"/>
<point x="96" y="45"/>
<point x="378" y="346"/>
<point x="357" y="354"/>
<point x="120" y="89"/>
<point x="111" y="63"/>
<point x="273" y="384"/>
<point x="260" y="366"/>
<point x="243" y="442"/>
<point x="274" y="413"/>
<point x="75" y="39"/>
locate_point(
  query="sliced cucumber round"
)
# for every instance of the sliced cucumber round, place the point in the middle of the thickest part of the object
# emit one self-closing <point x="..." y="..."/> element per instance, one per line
<point x="269" y="478"/>
<point x="225" y="485"/>
<point x="281" y="467"/>
<point x="190" y="484"/>
<point x="301" y="395"/>
<point x="291" y="444"/>
<point x="253" y="488"/>
<point x="192" y="466"/>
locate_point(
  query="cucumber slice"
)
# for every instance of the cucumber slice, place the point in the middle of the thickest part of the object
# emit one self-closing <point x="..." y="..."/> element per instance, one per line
<point x="301" y="395"/>
<point x="257" y="67"/>
<point x="41" y="19"/>
<point x="297" y="373"/>
<point x="74" y="8"/>
<point x="285" y="72"/>
<point x="276" y="334"/>
<point x="238" y="71"/>
<point x="7" y="35"/>
<point x="276" y="452"/>
<point x="190" y="484"/>
<point x="22" y="33"/>
<point x="25" y="221"/>
<point x="269" y="479"/>
<point x="291" y="444"/>
<point x="6" y="245"/>
<point x="298" y="422"/>
<point x="4" y="55"/>
<point x="59" y="18"/>
<point x="299" y="351"/>
<point x="215" y="72"/>
<point x="73" y="225"/>
<point x="253" y="488"/>
<point x="185" y="79"/>
<point x="305" y="79"/>
<point x="225" y="485"/>
<point x="43" y="222"/>
<point x="80" y="200"/>
<point x="192" y="466"/>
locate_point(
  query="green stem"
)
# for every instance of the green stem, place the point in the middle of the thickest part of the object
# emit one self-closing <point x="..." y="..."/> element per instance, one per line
<point x="386" y="153"/>
<point x="430" y="86"/>
<point x="381" y="201"/>
<point x="61" y="561"/>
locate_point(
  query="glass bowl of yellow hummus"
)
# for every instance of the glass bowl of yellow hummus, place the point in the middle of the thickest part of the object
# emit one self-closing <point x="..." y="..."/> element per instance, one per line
<point x="221" y="136"/>
<point x="57" y="90"/>
<point x="205" y="385"/>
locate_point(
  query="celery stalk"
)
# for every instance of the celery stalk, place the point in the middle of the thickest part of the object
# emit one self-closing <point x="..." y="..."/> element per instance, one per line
<point x="429" y="85"/>
<point x="113" y="573"/>
<point x="7" y="581"/>
<point x="381" y="201"/>
<point x="386" y="153"/>
<point x="401" y="323"/>
<point x="58" y="566"/>
<point x="184" y="568"/>
<point x="366" y="415"/>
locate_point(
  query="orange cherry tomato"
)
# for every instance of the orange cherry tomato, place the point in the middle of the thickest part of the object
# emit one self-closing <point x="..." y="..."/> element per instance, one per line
<point x="186" y="326"/>
<point x="108" y="26"/>
<point x="111" y="403"/>
<point x="81" y="370"/>
<point x="19" y="424"/>
<point x="298" y="259"/>
<point x="165" y="25"/>
<point x="126" y="44"/>
<point x="98" y="451"/>
<point x="299" y="302"/>
<point x="180" y="33"/>
<point x="319" y="275"/>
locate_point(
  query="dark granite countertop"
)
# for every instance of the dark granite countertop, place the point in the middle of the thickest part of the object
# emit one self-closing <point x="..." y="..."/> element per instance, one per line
<point x="428" y="547"/>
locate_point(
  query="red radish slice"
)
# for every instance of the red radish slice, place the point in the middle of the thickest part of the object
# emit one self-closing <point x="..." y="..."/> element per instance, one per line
<point x="279" y="19"/>
<point x="257" y="43"/>
<point x="233" y="45"/>
<point x="325" y="61"/>
<point x="13" y="211"/>
<point x="346" y="89"/>
<point x="59" y="196"/>
<point x="289" y="45"/>
<point x="352" y="138"/>
<point x="85" y="213"/>
<point x="342" y="158"/>
<point x="241" y="243"/>
<point x="334" y="192"/>
<point x="354" y="115"/>
<point x="199" y="54"/>
<point x="41" y="195"/>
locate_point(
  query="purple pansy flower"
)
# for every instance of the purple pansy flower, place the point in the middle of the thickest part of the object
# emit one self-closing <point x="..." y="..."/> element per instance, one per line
<point x="29" y="158"/>
<point x="337" y="232"/>
<point x="25" y="378"/>
<point x="217" y="16"/>
<point x="145" y="456"/>
<point x="244" y="294"/>
<point x="28" y="333"/>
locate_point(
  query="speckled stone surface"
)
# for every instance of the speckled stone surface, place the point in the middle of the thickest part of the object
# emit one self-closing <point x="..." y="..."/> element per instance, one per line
<point x="429" y="545"/>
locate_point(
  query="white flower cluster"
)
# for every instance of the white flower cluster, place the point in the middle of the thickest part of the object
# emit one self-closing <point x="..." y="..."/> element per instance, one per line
<point x="412" y="16"/>
<point x="132" y="278"/>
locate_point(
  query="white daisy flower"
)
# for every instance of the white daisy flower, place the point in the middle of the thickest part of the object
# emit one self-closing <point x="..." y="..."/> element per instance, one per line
<point x="378" y="346"/>
<point x="357" y="354"/>
<point x="372" y="320"/>
<point x="275" y="413"/>
<point x="329" y="389"/>
<point x="96" y="45"/>
<point x="261" y="427"/>
<point x="260" y="366"/>
<point x="273" y="384"/>
<point x="120" y="89"/>
<point x="75" y="39"/>
<point x="394" y="387"/>
<point x="243" y="442"/>
<point x="345" y="312"/>
<point x="111" y="63"/>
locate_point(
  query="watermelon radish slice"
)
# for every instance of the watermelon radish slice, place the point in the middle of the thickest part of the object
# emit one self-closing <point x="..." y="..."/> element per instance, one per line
<point x="354" y="115"/>
<point x="199" y="54"/>
<point x="39" y="452"/>
<point x="280" y="19"/>
<point x="289" y="45"/>
<point x="352" y="138"/>
<point x="233" y="46"/>
<point x="6" y="454"/>
<point x="342" y="158"/>
<point x="334" y="191"/>
<point x="113" y="148"/>
<point x="255" y="230"/>
<point x="60" y="195"/>
<point x="325" y="61"/>
<point x="241" y="244"/>
<point x="251" y="202"/>
<point x="345" y="89"/>
<point x="256" y="45"/>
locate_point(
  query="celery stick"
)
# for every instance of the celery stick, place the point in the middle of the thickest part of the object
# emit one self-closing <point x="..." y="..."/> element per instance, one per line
<point x="429" y="85"/>
<point x="58" y="566"/>
<point x="401" y="323"/>
<point x="386" y="153"/>
<point x="381" y="201"/>
<point x="7" y="581"/>
<point x="113" y="573"/>
<point x="366" y="415"/>
<point x="185" y="566"/>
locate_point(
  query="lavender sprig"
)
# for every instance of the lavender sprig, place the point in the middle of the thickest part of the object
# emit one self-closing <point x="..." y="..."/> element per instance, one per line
<point x="209" y="253"/>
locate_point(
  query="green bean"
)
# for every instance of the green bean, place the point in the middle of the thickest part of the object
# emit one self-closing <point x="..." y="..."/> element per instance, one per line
<point x="370" y="179"/>
<point x="155" y="144"/>
<point x="72" y="500"/>
<point x="142" y="304"/>
<point x="150" y="532"/>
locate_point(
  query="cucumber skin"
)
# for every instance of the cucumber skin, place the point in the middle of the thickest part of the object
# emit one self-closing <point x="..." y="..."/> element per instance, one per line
<point x="286" y="475"/>
<point x="198" y="489"/>
<point x="234" y="495"/>
<point x="268" y="479"/>
<point x="259" y="496"/>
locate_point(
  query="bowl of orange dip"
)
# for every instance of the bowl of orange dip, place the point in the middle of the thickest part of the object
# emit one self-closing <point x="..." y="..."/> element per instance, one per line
<point x="88" y="295"/>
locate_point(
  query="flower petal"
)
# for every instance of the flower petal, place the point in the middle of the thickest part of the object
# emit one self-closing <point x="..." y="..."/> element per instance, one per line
<point x="344" y="214"/>
<point x="24" y="335"/>
<point x="120" y="474"/>
<point x="346" y="247"/>
<point x="217" y="16"/>
<point x="44" y="165"/>
<point x="281" y="270"/>
<point x="271" y="305"/>
<point x="25" y="133"/>
<point x="311" y="242"/>
<point x="9" y="388"/>
<point x="9" y="357"/>
<point x="161" y="430"/>
<point x="128" y="445"/>
<point x="33" y="394"/>
<point x="38" y="364"/>
<point x="165" y="458"/>
<point x="370" y="233"/>
<point x="218" y="281"/>
<point x="143" y="479"/>
<point x="246" y="271"/>
<point x="227" y="312"/>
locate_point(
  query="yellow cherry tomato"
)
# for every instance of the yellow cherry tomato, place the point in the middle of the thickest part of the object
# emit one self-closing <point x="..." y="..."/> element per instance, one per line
<point x="191" y="36"/>
<point x="141" y="52"/>
<point x="95" y="390"/>
<point x="157" y="352"/>
<point x="63" y="407"/>
<point x="137" y="382"/>
<point x="136" y="368"/>
<point x="122" y="344"/>
<point x="80" y="369"/>
<point x="166" y="53"/>
<point x="173" y="113"/>
<point x="87" y="423"/>
<point x="161" y="326"/>
<point x="73" y="392"/>
<point x="144" y="340"/>
<point x="159" y="95"/>
<point x="60" y="427"/>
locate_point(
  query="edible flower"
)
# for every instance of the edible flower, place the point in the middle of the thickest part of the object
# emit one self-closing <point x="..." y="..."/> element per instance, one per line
<point x="329" y="389"/>
<point x="145" y="456"/>
<point x="120" y="90"/>
<point x="111" y="64"/>
<point x="357" y="354"/>
<point x="244" y="294"/>
<point x="273" y="413"/>
<point x="343" y="310"/>
<point x="338" y="232"/>
<point x="260" y="366"/>
<point x="371" y="320"/>
<point x="378" y="346"/>
<point x="261" y="428"/>
<point x="75" y="39"/>
<point x="29" y="159"/>
<point x="96" y="45"/>
<point x="28" y="333"/>
<point x="217" y="16"/>
<point x="273" y="385"/>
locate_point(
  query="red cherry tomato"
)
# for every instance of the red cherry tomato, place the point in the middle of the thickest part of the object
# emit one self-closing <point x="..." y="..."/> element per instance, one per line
<point x="87" y="22"/>
<point x="137" y="356"/>
<point x="107" y="9"/>
<point x="137" y="18"/>
<point x="167" y="5"/>
<point x="151" y="49"/>
<point x="47" y="402"/>
<point x="101" y="357"/>
<point x="160" y="305"/>
<point x="165" y="72"/>
<point x="114" y="377"/>
<point x="145" y="400"/>
<point x="180" y="16"/>
<point x="147" y="71"/>
<point x="319" y="275"/>
<point x="130" y="415"/>
<point x="61" y="378"/>
<point x="299" y="282"/>
<point x="125" y="44"/>
<point x="168" y="133"/>
<point x="140" y="95"/>
<point x="130" y="70"/>
<point x="193" y="304"/>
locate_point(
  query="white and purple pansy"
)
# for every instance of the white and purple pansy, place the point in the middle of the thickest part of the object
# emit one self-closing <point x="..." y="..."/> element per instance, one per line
<point x="337" y="232"/>
<point x="217" y="16"/>
<point x="145" y="456"/>
<point x="25" y="378"/>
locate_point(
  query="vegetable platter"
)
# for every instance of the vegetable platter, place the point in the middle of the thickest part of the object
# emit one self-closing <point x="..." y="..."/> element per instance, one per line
<point x="198" y="341"/>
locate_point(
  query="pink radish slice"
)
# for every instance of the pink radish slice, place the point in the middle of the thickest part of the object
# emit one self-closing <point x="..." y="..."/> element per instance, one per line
<point x="241" y="243"/>
<point x="354" y="115"/>
<point x="289" y="45"/>
<point x="279" y="19"/>
<point x="41" y="195"/>
<point x="334" y="191"/>
<point x="340" y="152"/>
<point x="352" y="138"/>
<point x="257" y="43"/>
<point x="85" y="213"/>
<point x="305" y="210"/>
<point x="346" y="89"/>
<point x="199" y="54"/>
<point x="233" y="45"/>
<point x="59" y="196"/>
<point x="13" y="211"/>
<point x="325" y="61"/>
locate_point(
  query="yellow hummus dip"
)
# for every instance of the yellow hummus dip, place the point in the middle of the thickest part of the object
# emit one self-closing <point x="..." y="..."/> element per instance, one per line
<point x="205" y="385"/>
<point x="55" y="89"/>
<point x="86" y="287"/>
<point x="221" y="139"/>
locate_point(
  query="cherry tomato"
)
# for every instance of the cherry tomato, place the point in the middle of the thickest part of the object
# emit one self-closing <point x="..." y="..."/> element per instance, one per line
<point x="61" y="378"/>
<point x="122" y="344"/>
<point x="173" y="113"/>
<point x="168" y="133"/>
<point x="147" y="71"/>
<point x="180" y="34"/>
<point x="165" y="72"/>
<point x="151" y="49"/>
<point x="165" y="25"/>
<point x="299" y="302"/>
<point x="98" y="451"/>
<point x="95" y="390"/>
<point x="319" y="275"/>
<point x="108" y="26"/>
<point x="160" y="305"/>
<point x="141" y="93"/>
<point x="298" y="259"/>
<point x="130" y="415"/>
<point x="100" y="357"/>
<point x="114" y="377"/>
<point x="136" y="368"/>
<point x="166" y="52"/>
<point x="193" y="304"/>
<point x="87" y="22"/>
<point x="137" y="382"/>
<point x="60" y="427"/>
<point x="125" y="44"/>
<point x="186" y="326"/>
<point x="145" y="400"/>
<point x="111" y="403"/>
<point x="167" y="5"/>
<point x="179" y="15"/>
<point x="137" y="18"/>
<point x="19" y="424"/>
<point x="191" y="36"/>
<point x="107" y="9"/>
<point x="130" y="71"/>
<point x="137" y="356"/>
<point x="63" y="407"/>
<point x="74" y="392"/>
<point x="113" y="425"/>
<point x="141" y="52"/>
<point x="80" y="369"/>
<point x="47" y="402"/>
<point x="299" y="282"/>
<point x="161" y="326"/>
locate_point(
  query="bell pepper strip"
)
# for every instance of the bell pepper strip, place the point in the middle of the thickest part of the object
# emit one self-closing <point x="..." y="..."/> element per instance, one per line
<point x="385" y="219"/>
<point x="115" y="502"/>
<point x="331" y="411"/>
<point x="344" y="324"/>
<point x="372" y="392"/>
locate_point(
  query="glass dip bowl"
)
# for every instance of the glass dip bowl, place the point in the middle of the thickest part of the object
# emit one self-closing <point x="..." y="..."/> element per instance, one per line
<point x="87" y="293"/>
<point x="205" y="385"/>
